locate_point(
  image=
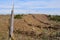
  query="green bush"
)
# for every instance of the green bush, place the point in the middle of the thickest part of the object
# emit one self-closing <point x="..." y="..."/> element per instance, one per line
<point x="18" y="16"/>
<point x="54" y="17"/>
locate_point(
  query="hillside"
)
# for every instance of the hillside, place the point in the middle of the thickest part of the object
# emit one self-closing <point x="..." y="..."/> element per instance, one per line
<point x="30" y="27"/>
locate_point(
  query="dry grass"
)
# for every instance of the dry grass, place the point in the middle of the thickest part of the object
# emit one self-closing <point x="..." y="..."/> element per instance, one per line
<point x="30" y="27"/>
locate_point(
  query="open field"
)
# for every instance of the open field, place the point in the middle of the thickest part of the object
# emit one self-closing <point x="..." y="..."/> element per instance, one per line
<point x="30" y="27"/>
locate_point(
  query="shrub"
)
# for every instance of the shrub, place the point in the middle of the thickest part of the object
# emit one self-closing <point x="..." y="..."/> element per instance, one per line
<point x="18" y="16"/>
<point x="54" y="17"/>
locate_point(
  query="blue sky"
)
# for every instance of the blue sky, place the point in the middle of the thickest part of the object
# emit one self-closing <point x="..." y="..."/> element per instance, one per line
<point x="31" y="6"/>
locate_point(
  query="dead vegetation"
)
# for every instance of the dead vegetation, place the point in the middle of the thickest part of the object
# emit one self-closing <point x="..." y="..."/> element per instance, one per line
<point x="30" y="27"/>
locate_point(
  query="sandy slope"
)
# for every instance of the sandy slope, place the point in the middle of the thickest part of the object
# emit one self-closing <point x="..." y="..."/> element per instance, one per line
<point x="30" y="27"/>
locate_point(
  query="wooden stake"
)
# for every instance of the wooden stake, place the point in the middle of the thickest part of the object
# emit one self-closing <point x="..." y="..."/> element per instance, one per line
<point x="11" y="37"/>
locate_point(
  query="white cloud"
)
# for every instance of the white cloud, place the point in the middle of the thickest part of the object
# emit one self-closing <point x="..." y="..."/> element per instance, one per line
<point x="5" y="11"/>
<point x="31" y="6"/>
<point x="41" y="4"/>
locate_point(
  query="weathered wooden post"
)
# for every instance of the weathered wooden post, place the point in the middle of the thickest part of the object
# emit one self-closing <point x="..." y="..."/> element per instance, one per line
<point x="11" y="37"/>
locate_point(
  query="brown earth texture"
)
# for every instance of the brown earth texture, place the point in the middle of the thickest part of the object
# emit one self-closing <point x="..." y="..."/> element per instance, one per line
<point x="30" y="27"/>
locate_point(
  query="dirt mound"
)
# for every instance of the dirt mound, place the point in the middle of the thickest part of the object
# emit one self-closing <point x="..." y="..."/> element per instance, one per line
<point x="30" y="27"/>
